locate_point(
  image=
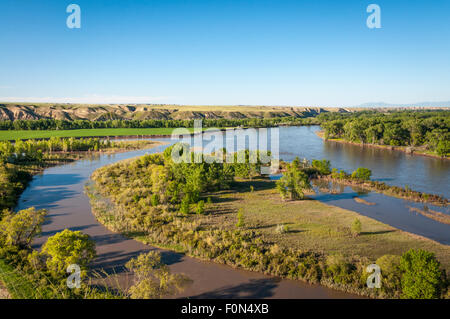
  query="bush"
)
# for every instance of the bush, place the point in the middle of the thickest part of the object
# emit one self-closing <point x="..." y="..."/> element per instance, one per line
<point x="356" y="227"/>
<point x="66" y="248"/>
<point x="293" y="183"/>
<point x="240" y="216"/>
<point x="362" y="173"/>
<point x="152" y="278"/>
<point x="282" y="229"/>
<point x="390" y="274"/>
<point x="155" y="200"/>
<point x="185" y="209"/>
<point x="421" y="275"/>
<point x="19" y="229"/>
<point x="323" y="166"/>
<point x="201" y="207"/>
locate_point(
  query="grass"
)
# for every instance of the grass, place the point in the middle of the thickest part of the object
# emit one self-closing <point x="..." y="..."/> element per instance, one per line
<point x="29" y="134"/>
<point x="313" y="225"/>
<point x="18" y="286"/>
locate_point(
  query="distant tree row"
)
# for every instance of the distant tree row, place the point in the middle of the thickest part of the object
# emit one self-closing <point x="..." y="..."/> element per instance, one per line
<point x="430" y="129"/>
<point x="33" y="150"/>
<point x="53" y="124"/>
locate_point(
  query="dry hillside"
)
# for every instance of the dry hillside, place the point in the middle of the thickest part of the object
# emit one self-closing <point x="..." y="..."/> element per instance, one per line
<point x="12" y="111"/>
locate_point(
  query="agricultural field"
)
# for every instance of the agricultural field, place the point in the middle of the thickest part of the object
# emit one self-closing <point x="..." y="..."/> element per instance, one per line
<point x="28" y="134"/>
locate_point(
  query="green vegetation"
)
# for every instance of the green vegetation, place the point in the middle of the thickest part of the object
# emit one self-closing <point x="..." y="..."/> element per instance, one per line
<point x="361" y="178"/>
<point x="66" y="248"/>
<point x="362" y="174"/>
<point x="44" y="134"/>
<point x="293" y="183"/>
<point x="316" y="246"/>
<point x="19" y="229"/>
<point x="152" y="278"/>
<point x="25" y="272"/>
<point x="356" y="227"/>
<point x="426" y="130"/>
<point x="28" y="273"/>
<point x="422" y="277"/>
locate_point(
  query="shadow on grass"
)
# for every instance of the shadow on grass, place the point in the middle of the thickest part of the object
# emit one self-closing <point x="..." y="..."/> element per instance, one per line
<point x="376" y="232"/>
<point x="254" y="289"/>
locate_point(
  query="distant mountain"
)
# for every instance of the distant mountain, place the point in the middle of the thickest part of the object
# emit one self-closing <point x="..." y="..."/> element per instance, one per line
<point x="421" y="104"/>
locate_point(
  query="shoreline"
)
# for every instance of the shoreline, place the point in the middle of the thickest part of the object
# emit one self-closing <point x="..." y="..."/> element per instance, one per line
<point x="384" y="147"/>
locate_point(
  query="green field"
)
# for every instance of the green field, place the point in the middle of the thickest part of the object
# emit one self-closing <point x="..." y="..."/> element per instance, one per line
<point x="28" y="134"/>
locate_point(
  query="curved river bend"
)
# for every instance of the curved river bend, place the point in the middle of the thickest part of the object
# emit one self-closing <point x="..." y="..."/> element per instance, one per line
<point x="60" y="190"/>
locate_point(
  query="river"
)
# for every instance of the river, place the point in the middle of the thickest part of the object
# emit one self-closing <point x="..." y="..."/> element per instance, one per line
<point x="60" y="190"/>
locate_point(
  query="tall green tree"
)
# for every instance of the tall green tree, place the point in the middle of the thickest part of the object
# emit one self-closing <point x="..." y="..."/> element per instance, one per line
<point x="422" y="277"/>
<point x="293" y="183"/>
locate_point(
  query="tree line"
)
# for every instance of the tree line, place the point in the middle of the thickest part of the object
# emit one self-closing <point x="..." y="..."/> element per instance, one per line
<point x="427" y="129"/>
<point x="54" y="124"/>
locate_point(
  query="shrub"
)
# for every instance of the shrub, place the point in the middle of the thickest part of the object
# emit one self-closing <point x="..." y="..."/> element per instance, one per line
<point x="155" y="200"/>
<point x="201" y="207"/>
<point x="66" y="248"/>
<point x="356" y="227"/>
<point x="323" y="167"/>
<point x="282" y="229"/>
<point x="240" y="216"/>
<point x="362" y="173"/>
<point x="421" y="275"/>
<point x="19" y="229"/>
<point x="390" y="274"/>
<point x="152" y="278"/>
<point x="293" y="183"/>
<point x="185" y="209"/>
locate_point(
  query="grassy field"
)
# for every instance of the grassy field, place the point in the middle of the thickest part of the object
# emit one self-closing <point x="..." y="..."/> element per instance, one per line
<point x="17" y="285"/>
<point x="25" y="134"/>
<point x="313" y="225"/>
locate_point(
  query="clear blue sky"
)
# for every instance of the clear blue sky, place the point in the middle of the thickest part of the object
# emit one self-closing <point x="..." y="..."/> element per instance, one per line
<point x="225" y="52"/>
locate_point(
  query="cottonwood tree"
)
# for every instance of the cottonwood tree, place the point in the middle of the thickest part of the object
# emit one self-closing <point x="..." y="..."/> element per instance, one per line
<point x="152" y="278"/>
<point x="293" y="183"/>
<point x="19" y="229"/>
<point x="66" y="248"/>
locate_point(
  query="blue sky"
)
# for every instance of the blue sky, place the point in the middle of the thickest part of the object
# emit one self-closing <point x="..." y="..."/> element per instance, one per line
<point x="225" y="52"/>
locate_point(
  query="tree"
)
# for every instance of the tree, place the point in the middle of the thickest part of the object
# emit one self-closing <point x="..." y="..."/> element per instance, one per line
<point x="323" y="166"/>
<point x="201" y="207"/>
<point x="356" y="227"/>
<point x="293" y="183"/>
<point x="19" y="229"/>
<point x="152" y="278"/>
<point x="421" y="275"/>
<point x="185" y="206"/>
<point x="66" y="248"/>
<point x="362" y="173"/>
<point x="240" y="216"/>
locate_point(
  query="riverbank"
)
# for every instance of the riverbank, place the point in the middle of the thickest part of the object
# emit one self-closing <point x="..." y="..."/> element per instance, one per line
<point x="388" y="190"/>
<point x="15" y="285"/>
<point x="410" y="150"/>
